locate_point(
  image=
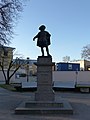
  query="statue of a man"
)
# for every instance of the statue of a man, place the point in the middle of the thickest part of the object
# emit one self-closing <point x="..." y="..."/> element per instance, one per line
<point x="43" y="39"/>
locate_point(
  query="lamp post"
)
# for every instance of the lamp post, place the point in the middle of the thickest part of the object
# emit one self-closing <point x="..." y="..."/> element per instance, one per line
<point x="27" y="69"/>
<point x="76" y="77"/>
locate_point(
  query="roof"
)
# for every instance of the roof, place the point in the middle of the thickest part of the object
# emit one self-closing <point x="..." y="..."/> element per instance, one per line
<point x="7" y="47"/>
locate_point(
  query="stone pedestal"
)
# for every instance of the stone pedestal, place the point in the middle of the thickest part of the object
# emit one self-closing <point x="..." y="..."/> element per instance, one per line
<point x="45" y="101"/>
<point x="44" y="79"/>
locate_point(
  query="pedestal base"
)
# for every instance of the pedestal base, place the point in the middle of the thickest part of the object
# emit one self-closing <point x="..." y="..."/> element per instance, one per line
<point x="44" y="102"/>
<point x="43" y="108"/>
<point x="45" y="96"/>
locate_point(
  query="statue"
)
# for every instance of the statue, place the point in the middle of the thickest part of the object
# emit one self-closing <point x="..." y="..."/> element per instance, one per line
<point x="43" y="39"/>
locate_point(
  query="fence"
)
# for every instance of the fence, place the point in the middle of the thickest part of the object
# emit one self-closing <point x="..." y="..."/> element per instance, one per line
<point x="73" y="76"/>
<point x="62" y="76"/>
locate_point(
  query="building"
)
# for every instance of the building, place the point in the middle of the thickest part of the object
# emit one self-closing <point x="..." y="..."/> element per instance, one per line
<point x="63" y="66"/>
<point x="27" y="67"/>
<point x="6" y="55"/>
<point x="84" y="64"/>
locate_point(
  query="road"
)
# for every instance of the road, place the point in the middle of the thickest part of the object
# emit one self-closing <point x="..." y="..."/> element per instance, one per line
<point x="10" y="100"/>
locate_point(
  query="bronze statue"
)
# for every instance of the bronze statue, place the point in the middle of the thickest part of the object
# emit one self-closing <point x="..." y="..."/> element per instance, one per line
<point x="43" y="39"/>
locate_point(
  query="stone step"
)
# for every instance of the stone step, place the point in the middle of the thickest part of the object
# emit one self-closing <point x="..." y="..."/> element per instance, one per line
<point x="43" y="111"/>
<point x="42" y="104"/>
<point x="49" y="109"/>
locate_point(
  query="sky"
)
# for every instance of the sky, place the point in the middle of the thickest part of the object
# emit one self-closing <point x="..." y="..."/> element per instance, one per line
<point x="68" y="22"/>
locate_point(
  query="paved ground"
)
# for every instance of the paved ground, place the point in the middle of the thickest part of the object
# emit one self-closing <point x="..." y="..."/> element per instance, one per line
<point x="10" y="100"/>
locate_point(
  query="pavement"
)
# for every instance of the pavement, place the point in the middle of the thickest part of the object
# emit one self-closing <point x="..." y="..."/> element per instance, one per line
<point x="10" y="100"/>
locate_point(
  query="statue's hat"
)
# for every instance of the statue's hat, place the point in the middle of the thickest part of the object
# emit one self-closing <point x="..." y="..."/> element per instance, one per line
<point x="42" y="27"/>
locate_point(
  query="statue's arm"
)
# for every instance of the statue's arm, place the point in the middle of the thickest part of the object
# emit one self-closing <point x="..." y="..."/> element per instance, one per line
<point x="36" y="36"/>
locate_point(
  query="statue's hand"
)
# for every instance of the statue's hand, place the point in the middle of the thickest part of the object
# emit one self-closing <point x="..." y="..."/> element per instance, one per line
<point x="33" y="39"/>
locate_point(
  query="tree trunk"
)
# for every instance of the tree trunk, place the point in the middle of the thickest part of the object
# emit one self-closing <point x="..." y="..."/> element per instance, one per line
<point x="7" y="82"/>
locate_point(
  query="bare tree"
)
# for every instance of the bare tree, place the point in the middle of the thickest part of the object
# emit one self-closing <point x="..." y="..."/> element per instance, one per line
<point x="9" y="11"/>
<point x="86" y="52"/>
<point x="13" y="66"/>
<point x="66" y="58"/>
<point x="8" y="65"/>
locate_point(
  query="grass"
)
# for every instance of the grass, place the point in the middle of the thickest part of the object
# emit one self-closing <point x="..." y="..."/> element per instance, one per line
<point x="8" y="87"/>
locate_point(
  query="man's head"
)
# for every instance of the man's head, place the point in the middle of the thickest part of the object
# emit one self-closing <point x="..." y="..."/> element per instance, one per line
<point x="42" y="27"/>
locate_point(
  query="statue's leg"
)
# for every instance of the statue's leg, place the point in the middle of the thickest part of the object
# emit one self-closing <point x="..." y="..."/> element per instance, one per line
<point x="42" y="50"/>
<point x="47" y="51"/>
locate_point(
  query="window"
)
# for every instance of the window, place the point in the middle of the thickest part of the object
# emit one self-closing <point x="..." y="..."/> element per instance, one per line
<point x="70" y="66"/>
<point x="5" y="53"/>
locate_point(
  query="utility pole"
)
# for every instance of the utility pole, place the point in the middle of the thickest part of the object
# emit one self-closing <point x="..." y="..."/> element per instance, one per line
<point x="27" y="69"/>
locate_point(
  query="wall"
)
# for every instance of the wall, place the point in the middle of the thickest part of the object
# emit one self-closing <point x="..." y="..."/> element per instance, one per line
<point x="67" y="76"/>
<point x="63" y="76"/>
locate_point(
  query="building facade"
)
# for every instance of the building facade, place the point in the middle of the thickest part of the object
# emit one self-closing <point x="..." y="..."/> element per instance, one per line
<point x="66" y="66"/>
<point x="6" y="55"/>
<point x="84" y="64"/>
